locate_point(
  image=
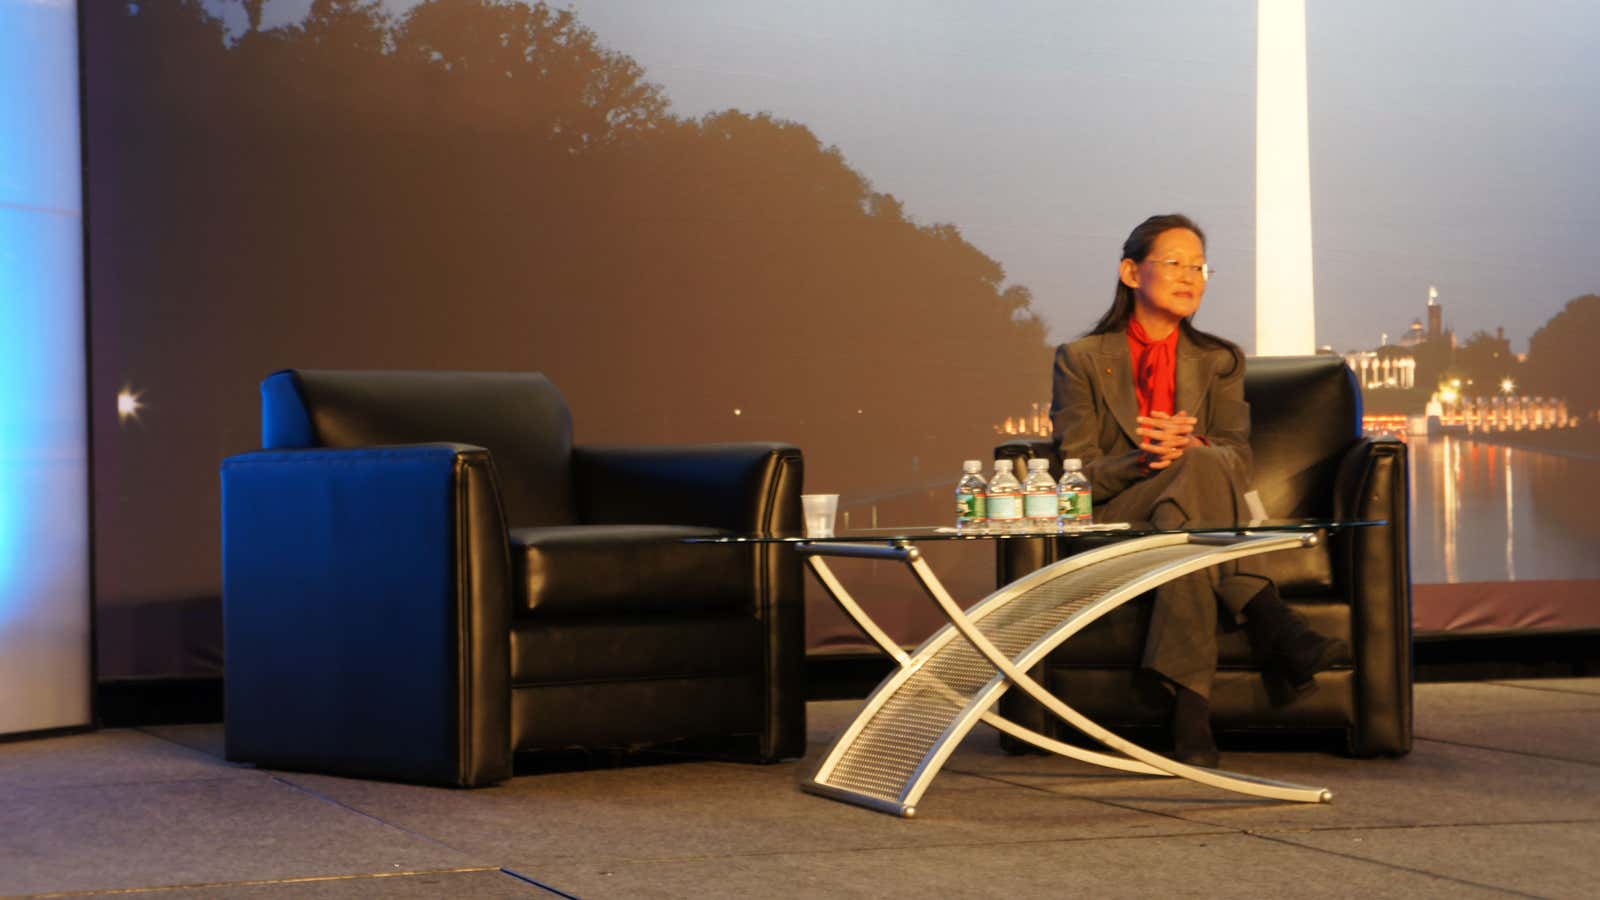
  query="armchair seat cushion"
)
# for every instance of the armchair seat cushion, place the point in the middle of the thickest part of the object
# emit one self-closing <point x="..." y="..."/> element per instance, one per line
<point x="598" y="570"/>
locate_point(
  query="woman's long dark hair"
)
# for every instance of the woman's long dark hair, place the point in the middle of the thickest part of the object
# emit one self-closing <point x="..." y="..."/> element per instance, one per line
<point x="1136" y="248"/>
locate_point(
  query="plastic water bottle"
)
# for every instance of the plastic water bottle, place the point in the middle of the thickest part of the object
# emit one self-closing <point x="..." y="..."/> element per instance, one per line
<point x="972" y="495"/>
<point x="1005" y="497"/>
<point x="1040" y="505"/>
<point x="1076" y="504"/>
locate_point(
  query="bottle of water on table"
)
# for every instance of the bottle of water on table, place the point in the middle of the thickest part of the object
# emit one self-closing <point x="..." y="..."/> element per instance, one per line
<point x="972" y="496"/>
<point x="1040" y="505"/>
<point x="1005" y="498"/>
<point x="1076" y="504"/>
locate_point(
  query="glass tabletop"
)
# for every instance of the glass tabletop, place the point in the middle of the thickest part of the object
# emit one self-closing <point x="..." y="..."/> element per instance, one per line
<point x="916" y="533"/>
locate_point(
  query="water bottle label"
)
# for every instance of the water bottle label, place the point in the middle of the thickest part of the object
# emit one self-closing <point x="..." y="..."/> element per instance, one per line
<point x="971" y="508"/>
<point x="1005" y="506"/>
<point x="1075" y="506"/>
<point x="1039" y="504"/>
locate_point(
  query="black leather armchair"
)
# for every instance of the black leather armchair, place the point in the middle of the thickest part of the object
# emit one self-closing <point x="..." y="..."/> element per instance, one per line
<point x="423" y="576"/>
<point x="1311" y="461"/>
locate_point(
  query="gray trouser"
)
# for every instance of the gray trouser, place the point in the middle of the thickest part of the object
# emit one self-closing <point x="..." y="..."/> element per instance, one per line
<point x="1198" y="488"/>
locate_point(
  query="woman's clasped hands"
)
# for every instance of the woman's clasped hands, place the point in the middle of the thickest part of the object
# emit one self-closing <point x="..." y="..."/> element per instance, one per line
<point x="1164" y="437"/>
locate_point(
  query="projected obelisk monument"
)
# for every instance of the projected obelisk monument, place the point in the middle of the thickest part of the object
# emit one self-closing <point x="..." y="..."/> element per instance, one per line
<point x="1285" y="313"/>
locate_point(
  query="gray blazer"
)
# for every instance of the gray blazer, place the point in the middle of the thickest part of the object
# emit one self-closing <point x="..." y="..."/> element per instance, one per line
<point x="1094" y="408"/>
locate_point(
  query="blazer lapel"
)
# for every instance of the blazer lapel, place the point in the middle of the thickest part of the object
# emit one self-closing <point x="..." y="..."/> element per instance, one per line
<point x="1191" y="376"/>
<point x="1115" y="374"/>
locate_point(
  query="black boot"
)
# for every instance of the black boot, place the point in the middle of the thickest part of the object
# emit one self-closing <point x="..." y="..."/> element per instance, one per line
<point x="1192" y="741"/>
<point x="1294" y="653"/>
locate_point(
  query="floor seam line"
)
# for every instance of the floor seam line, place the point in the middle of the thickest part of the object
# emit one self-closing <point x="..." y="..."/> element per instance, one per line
<point x="364" y="814"/>
<point x="141" y="729"/>
<point x="1565" y="759"/>
<point x="260" y="882"/>
<point x="1420" y="826"/>
<point x="101" y="785"/>
<point x="1217" y="831"/>
<point x="1397" y="867"/>
<point x="1169" y="815"/>
<point x="1001" y="779"/>
<point x="1546" y="690"/>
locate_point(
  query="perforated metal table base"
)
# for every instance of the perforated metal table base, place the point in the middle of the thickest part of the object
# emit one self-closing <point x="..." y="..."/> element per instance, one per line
<point x="896" y="745"/>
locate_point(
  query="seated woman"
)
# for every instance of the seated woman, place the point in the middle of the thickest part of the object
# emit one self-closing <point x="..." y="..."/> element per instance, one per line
<point x="1155" y="409"/>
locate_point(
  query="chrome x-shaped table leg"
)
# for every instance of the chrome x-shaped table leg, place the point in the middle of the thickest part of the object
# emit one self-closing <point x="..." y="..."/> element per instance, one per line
<point x="902" y="736"/>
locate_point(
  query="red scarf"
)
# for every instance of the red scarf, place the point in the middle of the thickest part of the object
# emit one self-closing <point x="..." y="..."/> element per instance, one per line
<point x="1155" y="368"/>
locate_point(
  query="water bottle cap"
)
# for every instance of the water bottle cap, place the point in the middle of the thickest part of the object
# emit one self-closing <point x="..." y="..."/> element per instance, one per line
<point x="1035" y="465"/>
<point x="972" y="466"/>
<point x="1074" y="464"/>
<point x="1002" y="464"/>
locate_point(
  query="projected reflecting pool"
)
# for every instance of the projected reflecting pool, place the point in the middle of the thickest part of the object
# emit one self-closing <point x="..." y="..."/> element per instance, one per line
<point x="1481" y="512"/>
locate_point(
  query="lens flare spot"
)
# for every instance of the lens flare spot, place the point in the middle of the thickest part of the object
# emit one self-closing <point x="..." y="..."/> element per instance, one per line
<point x="128" y="404"/>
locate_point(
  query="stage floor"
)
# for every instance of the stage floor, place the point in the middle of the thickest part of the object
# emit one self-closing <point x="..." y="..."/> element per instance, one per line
<point x="1500" y="796"/>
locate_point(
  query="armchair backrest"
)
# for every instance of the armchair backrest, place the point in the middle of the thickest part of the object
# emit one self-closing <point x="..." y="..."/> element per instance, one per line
<point x="519" y="417"/>
<point x="1305" y="411"/>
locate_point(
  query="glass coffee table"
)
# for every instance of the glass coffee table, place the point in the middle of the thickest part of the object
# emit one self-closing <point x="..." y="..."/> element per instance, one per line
<point x="889" y="755"/>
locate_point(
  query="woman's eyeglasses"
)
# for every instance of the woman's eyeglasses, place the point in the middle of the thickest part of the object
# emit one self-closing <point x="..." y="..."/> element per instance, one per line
<point x="1173" y="269"/>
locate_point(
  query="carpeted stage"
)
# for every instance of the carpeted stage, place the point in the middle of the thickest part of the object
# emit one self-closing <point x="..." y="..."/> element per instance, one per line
<point x="1501" y="797"/>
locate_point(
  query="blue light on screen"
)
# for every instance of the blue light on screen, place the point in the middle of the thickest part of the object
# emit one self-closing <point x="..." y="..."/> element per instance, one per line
<point x="44" y="599"/>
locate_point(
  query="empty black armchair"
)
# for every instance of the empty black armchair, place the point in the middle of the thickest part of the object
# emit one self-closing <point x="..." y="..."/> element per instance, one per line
<point x="423" y="576"/>
<point x="1310" y="461"/>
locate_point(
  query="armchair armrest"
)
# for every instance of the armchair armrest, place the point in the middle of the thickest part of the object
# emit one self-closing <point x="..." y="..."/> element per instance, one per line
<point x="746" y="487"/>
<point x="367" y="613"/>
<point x="1373" y="484"/>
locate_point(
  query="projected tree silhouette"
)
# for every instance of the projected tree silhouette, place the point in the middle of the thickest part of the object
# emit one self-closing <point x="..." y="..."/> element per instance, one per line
<point x="486" y="185"/>
<point x="1561" y="356"/>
